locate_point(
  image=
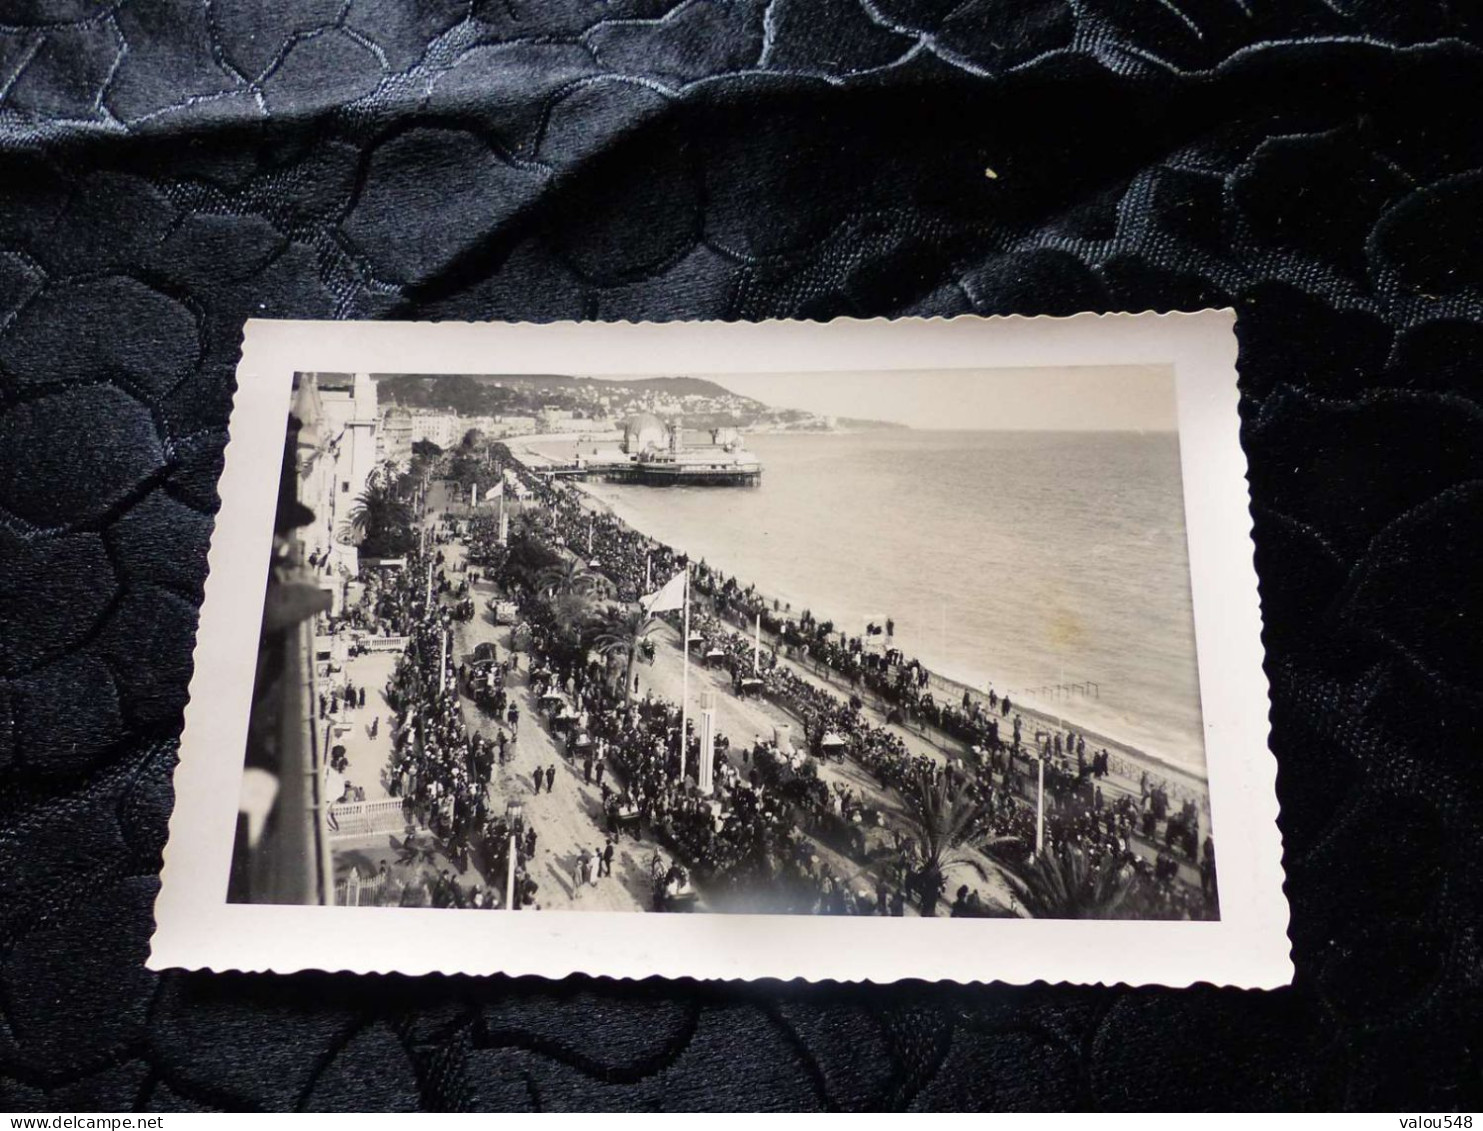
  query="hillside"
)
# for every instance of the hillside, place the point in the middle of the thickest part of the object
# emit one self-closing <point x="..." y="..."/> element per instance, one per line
<point x="662" y="386"/>
<point x="695" y="401"/>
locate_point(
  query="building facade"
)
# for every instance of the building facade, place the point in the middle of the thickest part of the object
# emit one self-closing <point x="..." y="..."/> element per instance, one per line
<point x="441" y="428"/>
<point x="514" y="426"/>
<point x="338" y="451"/>
<point x="396" y="437"/>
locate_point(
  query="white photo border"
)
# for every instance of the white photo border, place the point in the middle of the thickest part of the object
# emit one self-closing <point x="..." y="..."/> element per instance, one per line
<point x="1248" y="947"/>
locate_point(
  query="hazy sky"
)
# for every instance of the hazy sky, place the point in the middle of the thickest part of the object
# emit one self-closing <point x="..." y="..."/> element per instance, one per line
<point x="1112" y="398"/>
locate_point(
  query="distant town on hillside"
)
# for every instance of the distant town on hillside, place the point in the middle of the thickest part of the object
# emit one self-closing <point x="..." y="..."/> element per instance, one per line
<point x="552" y="402"/>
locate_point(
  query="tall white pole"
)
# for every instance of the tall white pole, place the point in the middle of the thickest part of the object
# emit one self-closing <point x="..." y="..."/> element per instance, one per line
<point x="757" y="646"/>
<point x="510" y="878"/>
<point x="473" y="495"/>
<point x="590" y="523"/>
<point x="1040" y="807"/>
<point x="443" y="660"/>
<point x="685" y="675"/>
<point x="648" y="574"/>
<point x="705" y="765"/>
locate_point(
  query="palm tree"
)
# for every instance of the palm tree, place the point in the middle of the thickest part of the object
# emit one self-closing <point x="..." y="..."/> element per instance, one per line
<point x="942" y="823"/>
<point x="1062" y="883"/>
<point x="571" y="576"/>
<point x="381" y="518"/>
<point x="622" y="633"/>
<point x="570" y="584"/>
<point x="571" y="612"/>
<point x="530" y="557"/>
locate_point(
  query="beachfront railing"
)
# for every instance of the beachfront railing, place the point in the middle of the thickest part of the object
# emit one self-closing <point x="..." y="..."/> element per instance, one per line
<point x="384" y="643"/>
<point x="367" y="818"/>
<point x="1086" y="689"/>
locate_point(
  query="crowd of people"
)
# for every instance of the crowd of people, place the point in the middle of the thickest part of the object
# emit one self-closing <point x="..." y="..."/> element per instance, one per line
<point x="997" y="771"/>
<point x="630" y="748"/>
<point x="741" y="841"/>
<point x="1080" y="814"/>
<point x="745" y="841"/>
<point x="438" y="767"/>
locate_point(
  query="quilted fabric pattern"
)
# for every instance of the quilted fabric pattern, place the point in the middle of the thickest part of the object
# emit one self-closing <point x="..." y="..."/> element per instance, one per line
<point x="169" y="168"/>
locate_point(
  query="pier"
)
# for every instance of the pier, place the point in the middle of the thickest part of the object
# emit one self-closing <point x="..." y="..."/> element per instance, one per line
<point x="655" y="454"/>
<point x="689" y="469"/>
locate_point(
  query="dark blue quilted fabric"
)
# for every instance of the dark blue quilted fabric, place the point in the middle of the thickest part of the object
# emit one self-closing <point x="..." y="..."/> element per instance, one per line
<point x="169" y="168"/>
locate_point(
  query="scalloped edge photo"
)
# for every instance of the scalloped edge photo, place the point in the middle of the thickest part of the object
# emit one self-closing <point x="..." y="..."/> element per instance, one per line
<point x="198" y="927"/>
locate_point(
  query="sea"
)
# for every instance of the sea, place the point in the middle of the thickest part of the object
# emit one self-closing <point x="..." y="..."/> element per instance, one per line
<point x="1051" y="566"/>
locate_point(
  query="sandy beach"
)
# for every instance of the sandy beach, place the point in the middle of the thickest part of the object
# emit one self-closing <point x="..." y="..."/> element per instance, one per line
<point x="525" y="445"/>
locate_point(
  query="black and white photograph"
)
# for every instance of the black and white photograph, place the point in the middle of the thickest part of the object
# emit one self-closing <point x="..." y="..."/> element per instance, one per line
<point x="857" y="644"/>
<point x="941" y="659"/>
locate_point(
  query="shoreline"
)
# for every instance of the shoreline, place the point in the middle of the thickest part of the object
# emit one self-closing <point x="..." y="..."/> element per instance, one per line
<point x="590" y="436"/>
<point x="1181" y="779"/>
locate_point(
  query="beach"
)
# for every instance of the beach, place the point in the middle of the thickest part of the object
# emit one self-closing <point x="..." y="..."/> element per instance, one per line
<point x="1131" y="769"/>
<point x="547" y="774"/>
<point x="1052" y="568"/>
<point x="1129" y="760"/>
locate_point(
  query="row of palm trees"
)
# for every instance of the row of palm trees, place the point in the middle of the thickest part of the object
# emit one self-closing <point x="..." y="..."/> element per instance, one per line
<point x="1060" y="883"/>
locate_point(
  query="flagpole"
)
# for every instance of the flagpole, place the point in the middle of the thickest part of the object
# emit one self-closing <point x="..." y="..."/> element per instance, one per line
<point x="757" y="646"/>
<point x="648" y="574"/>
<point x="685" y="675"/>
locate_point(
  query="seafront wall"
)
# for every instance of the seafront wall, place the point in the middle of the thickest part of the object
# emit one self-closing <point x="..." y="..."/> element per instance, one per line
<point x="1126" y="760"/>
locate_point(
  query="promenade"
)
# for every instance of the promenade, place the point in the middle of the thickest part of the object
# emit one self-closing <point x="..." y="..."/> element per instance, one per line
<point x="1129" y="782"/>
<point x="569" y="815"/>
<point x="844" y="833"/>
<point x="744" y="719"/>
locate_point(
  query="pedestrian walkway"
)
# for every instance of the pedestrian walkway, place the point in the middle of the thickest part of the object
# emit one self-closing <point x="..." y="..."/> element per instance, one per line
<point x="367" y="756"/>
<point x="568" y="817"/>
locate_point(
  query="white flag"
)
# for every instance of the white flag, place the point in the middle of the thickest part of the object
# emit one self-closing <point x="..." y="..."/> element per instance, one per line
<point x="671" y="595"/>
<point x="494" y="492"/>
